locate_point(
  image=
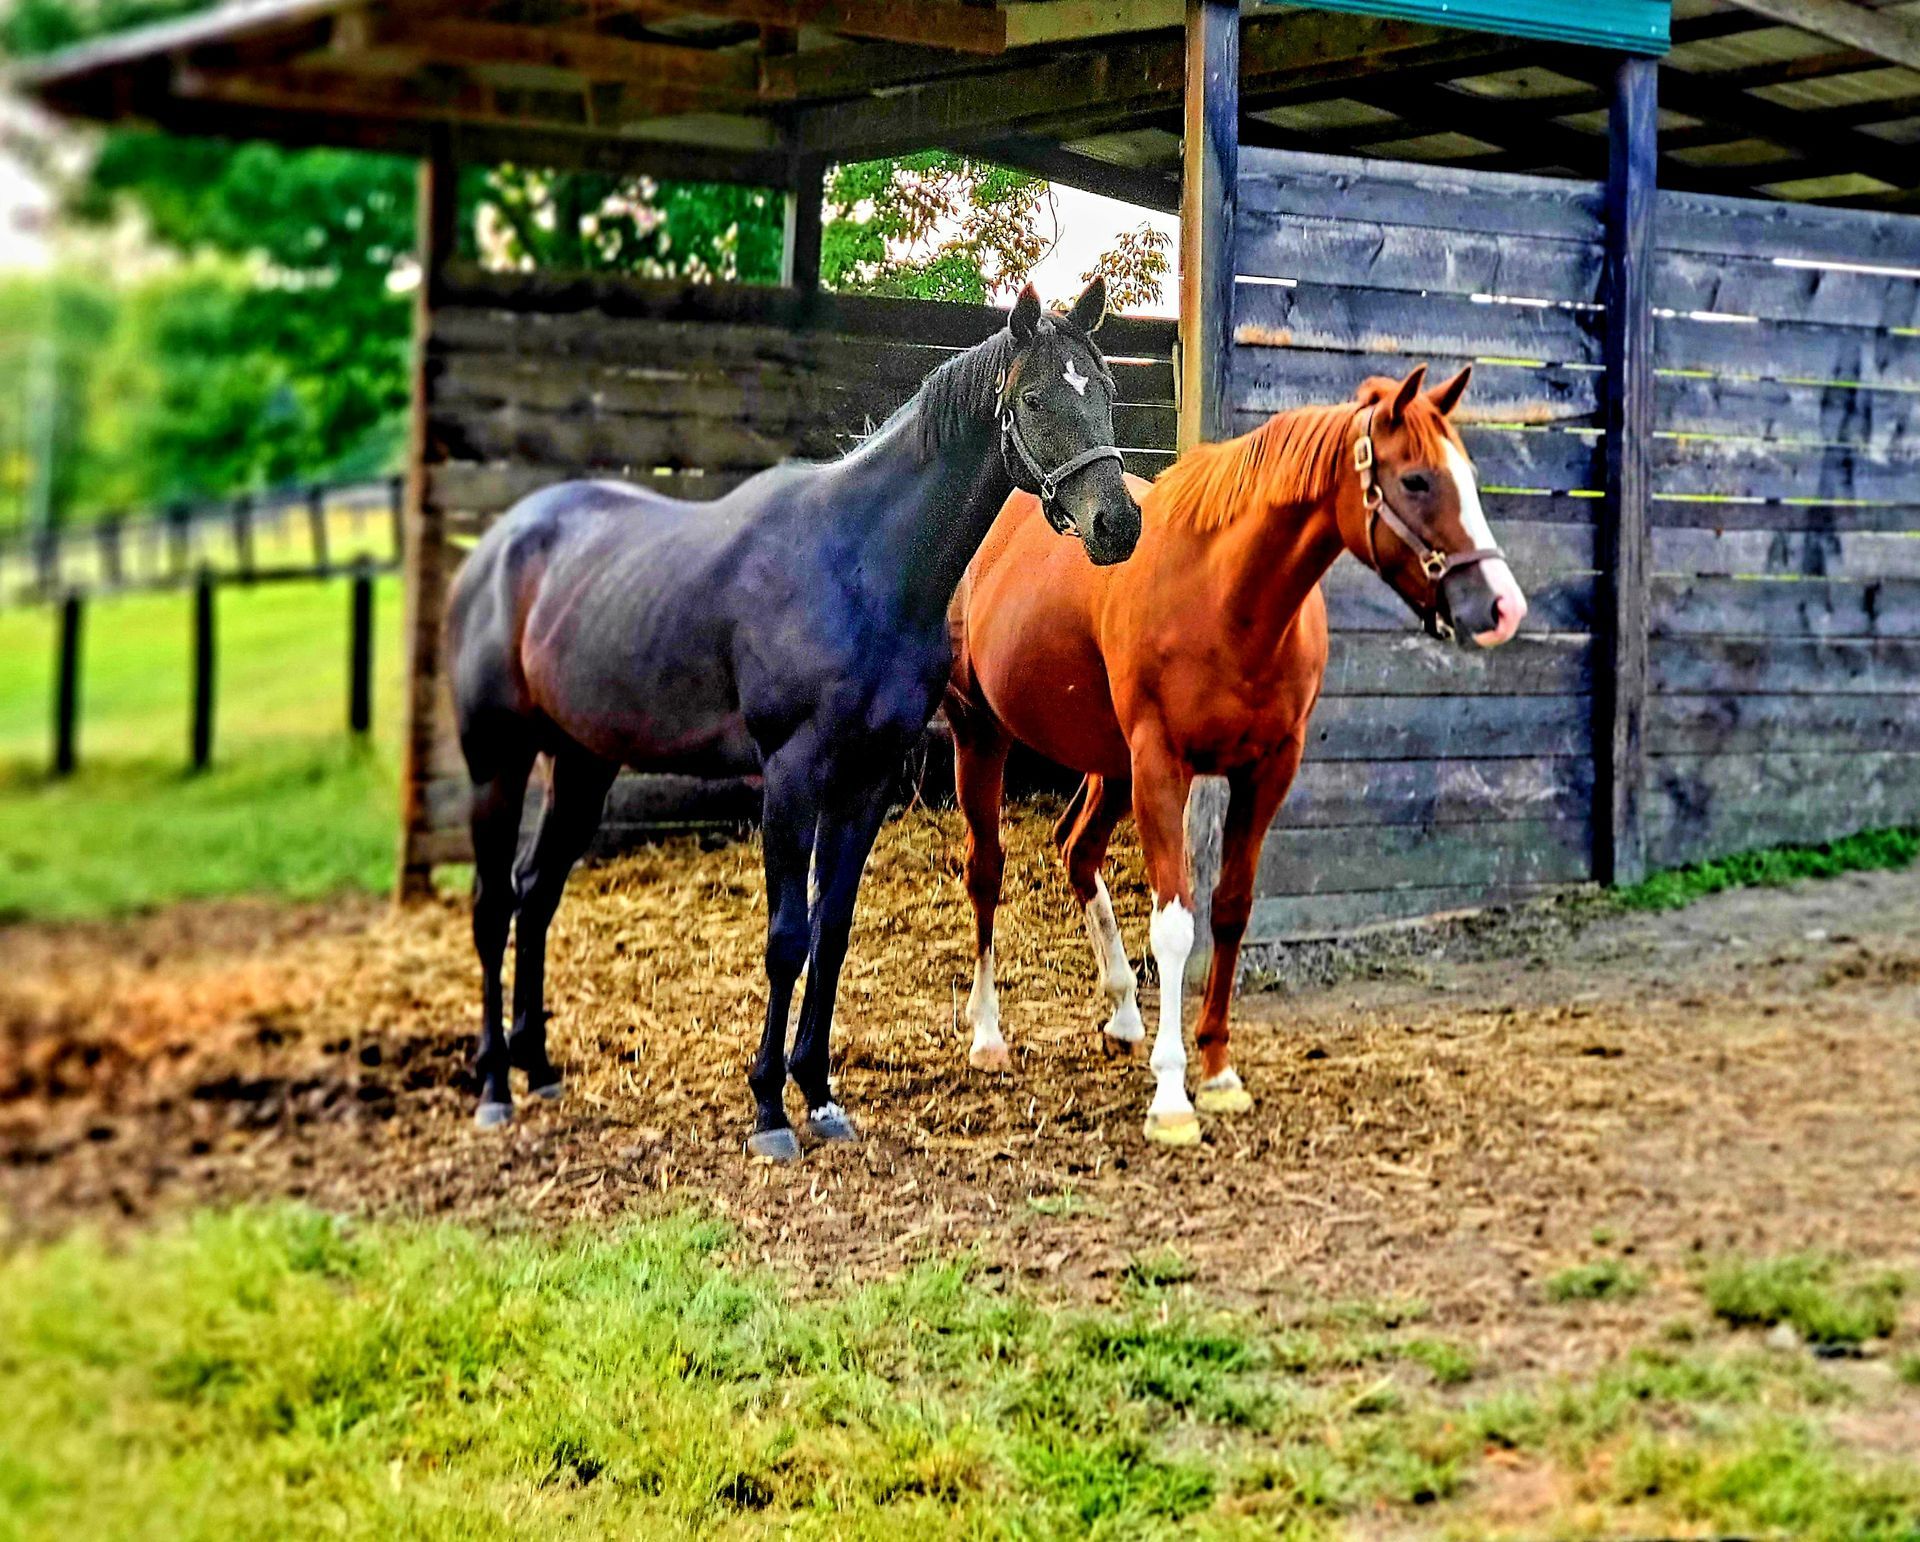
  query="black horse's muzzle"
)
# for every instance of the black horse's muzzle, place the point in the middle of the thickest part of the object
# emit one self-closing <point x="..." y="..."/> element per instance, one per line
<point x="1096" y="532"/>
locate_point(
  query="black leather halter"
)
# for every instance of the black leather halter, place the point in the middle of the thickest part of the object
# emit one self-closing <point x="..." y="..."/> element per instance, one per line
<point x="1435" y="563"/>
<point x="1030" y="476"/>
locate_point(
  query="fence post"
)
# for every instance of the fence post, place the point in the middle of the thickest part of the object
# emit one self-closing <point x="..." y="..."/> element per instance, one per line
<point x="1620" y="697"/>
<point x="243" y="534"/>
<point x="203" y="678"/>
<point x="397" y="513"/>
<point x="112" y="568"/>
<point x="66" y="700"/>
<point x="180" y="532"/>
<point x="317" y="525"/>
<point x="360" y="654"/>
<point x="1210" y="189"/>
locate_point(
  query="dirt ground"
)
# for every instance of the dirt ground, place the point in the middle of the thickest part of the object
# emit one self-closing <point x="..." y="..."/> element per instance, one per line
<point x="1451" y="1114"/>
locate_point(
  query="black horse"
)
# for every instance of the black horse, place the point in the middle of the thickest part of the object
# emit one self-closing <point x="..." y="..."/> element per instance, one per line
<point x="795" y="628"/>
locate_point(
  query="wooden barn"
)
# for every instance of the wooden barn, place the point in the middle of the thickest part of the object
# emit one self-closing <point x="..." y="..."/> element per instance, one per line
<point x="1680" y="243"/>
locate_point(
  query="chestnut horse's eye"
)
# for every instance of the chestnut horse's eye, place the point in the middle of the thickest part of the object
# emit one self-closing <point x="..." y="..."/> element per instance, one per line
<point x="1414" y="482"/>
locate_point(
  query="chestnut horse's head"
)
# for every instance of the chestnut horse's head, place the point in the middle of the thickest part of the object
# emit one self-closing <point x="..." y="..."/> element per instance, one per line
<point x="1418" y="523"/>
<point x="1055" y="404"/>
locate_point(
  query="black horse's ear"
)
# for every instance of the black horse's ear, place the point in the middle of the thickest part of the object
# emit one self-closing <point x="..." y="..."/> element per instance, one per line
<point x="1446" y="395"/>
<point x="1409" y="388"/>
<point x="1091" y="308"/>
<point x="1025" y="320"/>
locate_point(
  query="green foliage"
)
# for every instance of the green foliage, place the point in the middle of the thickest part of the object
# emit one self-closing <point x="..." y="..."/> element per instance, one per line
<point x="1607" y="1280"/>
<point x="1807" y="1291"/>
<point x="932" y="226"/>
<point x="1868" y="851"/>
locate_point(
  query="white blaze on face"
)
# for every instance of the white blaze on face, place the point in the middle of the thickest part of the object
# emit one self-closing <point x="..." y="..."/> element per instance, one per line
<point x="1510" y="605"/>
<point x="1074" y="378"/>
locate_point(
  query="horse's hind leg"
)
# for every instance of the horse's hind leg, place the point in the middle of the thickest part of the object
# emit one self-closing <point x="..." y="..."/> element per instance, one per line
<point x="979" y="775"/>
<point x="787" y="827"/>
<point x="1254" y="798"/>
<point x="576" y="795"/>
<point x="1082" y="836"/>
<point x="495" y="821"/>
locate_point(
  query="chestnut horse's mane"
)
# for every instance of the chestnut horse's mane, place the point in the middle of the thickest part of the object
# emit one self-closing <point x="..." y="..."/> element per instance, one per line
<point x="1294" y="457"/>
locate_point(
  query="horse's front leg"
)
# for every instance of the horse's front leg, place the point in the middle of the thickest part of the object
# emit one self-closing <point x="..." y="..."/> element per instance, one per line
<point x="1255" y="796"/>
<point x="787" y="834"/>
<point x="1161" y="781"/>
<point x="850" y="818"/>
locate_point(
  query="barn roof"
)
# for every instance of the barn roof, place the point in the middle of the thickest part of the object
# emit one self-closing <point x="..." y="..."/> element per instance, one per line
<point x="1085" y="91"/>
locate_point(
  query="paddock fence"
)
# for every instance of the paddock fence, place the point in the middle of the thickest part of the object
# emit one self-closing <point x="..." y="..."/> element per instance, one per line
<point x="528" y="379"/>
<point x="1783" y="606"/>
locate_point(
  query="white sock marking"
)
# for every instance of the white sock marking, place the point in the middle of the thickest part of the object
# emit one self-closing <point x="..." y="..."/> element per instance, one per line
<point x="1510" y="603"/>
<point x="1171" y="934"/>
<point x="983" y="1006"/>
<point x="1110" y="960"/>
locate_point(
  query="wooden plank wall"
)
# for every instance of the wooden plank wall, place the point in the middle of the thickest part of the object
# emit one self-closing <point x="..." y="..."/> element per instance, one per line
<point x="531" y="379"/>
<point x="1784" y="658"/>
<point x="1437" y="777"/>
<point x="1785" y="650"/>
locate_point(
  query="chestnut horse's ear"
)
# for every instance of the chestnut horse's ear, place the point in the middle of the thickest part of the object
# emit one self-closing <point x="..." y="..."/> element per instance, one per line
<point x="1091" y="308"/>
<point x="1409" y="388"/>
<point x="1446" y="396"/>
<point x="1025" y="320"/>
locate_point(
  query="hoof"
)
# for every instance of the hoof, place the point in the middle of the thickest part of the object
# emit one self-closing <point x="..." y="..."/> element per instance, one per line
<point x="490" y="1116"/>
<point x="1181" y="1129"/>
<point x="990" y="1057"/>
<point x="1223" y="1094"/>
<point x="774" y="1146"/>
<point x="1120" y="1049"/>
<point x="550" y="1090"/>
<point x="831" y="1126"/>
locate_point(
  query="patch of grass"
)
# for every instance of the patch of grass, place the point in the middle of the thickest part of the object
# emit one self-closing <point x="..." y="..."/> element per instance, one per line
<point x="1606" y="1280"/>
<point x="279" y="1371"/>
<point x="289" y="808"/>
<point x="1868" y="851"/>
<point x="1808" y="1292"/>
<point x="1907" y="1368"/>
<point x="1156" y="1271"/>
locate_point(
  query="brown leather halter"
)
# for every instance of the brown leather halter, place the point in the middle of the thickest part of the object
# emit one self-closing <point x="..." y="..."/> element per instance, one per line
<point x="1435" y="563"/>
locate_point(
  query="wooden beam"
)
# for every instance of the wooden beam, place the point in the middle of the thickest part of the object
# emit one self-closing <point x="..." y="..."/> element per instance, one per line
<point x="1210" y="178"/>
<point x="978" y="29"/>
<point x="800" y="246"/>
<point x="1140" y="185"/>
<point x="697" y="73"/>
<point x="1895" y="39"/>
<point x="426" y="558"/>
<point x="1620" y="696"/>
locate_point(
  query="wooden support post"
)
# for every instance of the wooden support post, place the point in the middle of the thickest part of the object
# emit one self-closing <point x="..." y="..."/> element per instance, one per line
<point x="317" y="526"/>
<point x="180" y="537"/>
<point x="397" y="512"/>
<point x="360" y="654"/>
<point x="423" y="552"/>
<point x="1209" y="192"/>
<point x="1620" y="695"/>
<point x="203" y="676"/>
<point x="66" y="696"/>
<point x="800" y="253"/>
<point x="243" y="535"/>
<point x="112" y="564"/>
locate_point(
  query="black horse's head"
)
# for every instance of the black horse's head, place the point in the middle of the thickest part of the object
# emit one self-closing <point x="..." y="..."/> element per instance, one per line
<point x="1055" y="405"/>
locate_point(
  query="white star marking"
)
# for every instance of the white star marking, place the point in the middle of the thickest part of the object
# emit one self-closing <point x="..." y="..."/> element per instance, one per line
<point x="1074" y="378"/>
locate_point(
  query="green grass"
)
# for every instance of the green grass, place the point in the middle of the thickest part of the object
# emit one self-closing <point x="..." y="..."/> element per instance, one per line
<point x="280" y="1373"/>
<point x="1824" y="1304"/>
<point x="289" y="807"/>
<point x="1772" y="866"/>
<point x="1607" y="1280"/>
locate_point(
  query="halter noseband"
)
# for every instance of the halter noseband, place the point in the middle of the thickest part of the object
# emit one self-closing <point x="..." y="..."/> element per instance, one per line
<point x="1436" y="564"/>
<point x="1046" y="484"/>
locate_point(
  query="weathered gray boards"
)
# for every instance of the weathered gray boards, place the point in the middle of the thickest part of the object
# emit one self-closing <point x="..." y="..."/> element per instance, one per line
<point x="1783" y="609"/>
<point x="529" y="379"/>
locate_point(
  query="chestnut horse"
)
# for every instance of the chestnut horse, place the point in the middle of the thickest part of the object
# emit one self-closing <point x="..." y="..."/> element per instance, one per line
<point x="1202" y="655"/>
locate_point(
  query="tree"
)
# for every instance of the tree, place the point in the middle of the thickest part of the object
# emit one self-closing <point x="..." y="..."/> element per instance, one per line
<point x="1136" y="267"/>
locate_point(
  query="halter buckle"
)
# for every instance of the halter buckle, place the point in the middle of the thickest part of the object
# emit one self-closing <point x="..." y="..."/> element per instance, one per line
<point x="1435" y="564"/>
<point x="1363" y="453"/>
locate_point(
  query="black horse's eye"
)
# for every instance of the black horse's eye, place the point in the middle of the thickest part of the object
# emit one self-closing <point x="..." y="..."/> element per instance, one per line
<point x="1031" y="398"/>
<point x="1414" y="482"/>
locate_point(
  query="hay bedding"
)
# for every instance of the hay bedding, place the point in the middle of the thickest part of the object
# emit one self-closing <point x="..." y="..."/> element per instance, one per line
<point x="1453" y="1126"/>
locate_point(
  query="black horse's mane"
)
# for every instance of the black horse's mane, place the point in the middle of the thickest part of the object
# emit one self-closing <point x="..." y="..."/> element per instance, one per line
<point x="964" y="391"/>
